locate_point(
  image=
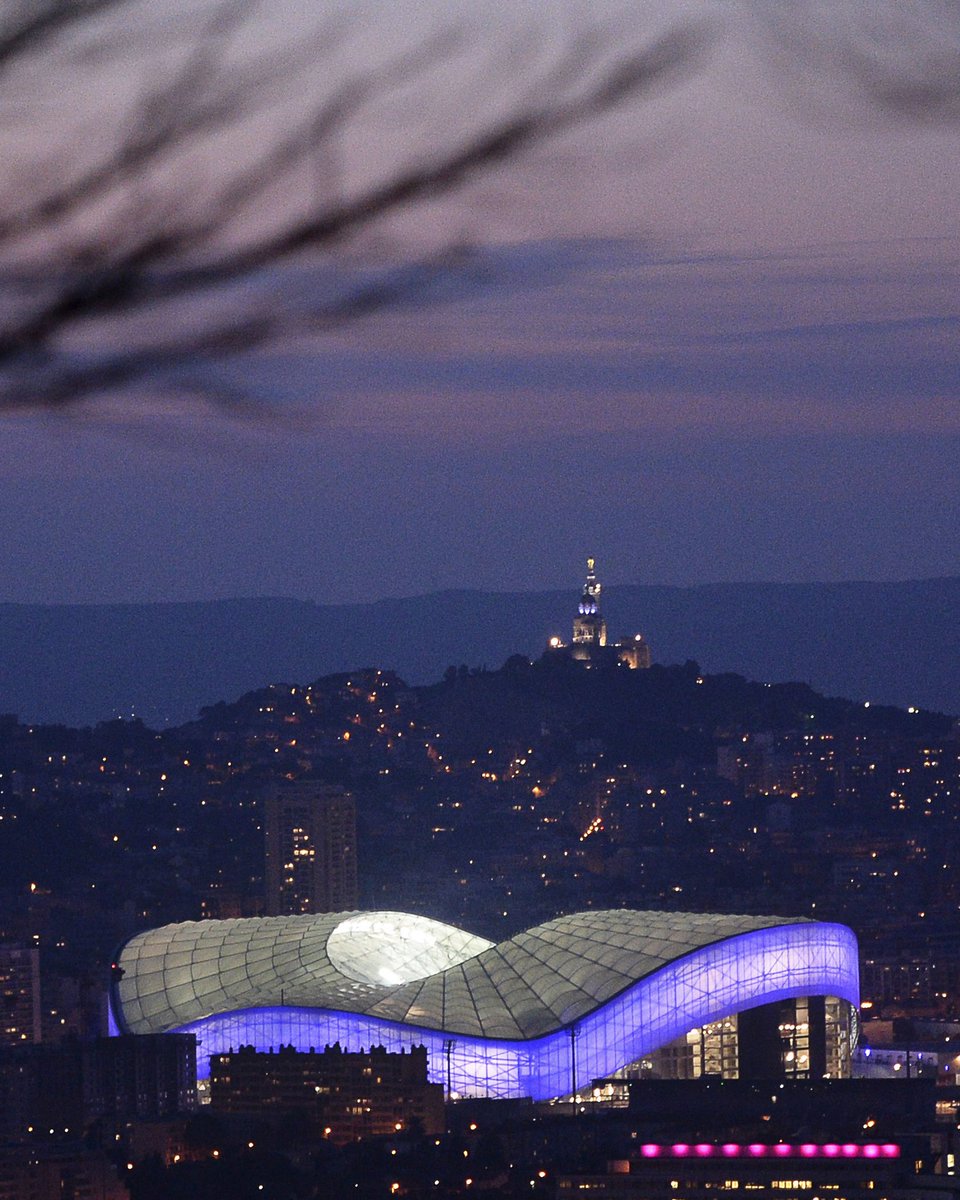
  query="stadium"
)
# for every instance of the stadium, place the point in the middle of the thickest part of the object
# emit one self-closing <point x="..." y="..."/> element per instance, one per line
<point x="584" y="997"/>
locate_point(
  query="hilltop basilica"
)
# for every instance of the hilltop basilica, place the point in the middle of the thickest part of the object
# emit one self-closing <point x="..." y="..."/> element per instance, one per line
<point x="589" y="642"/>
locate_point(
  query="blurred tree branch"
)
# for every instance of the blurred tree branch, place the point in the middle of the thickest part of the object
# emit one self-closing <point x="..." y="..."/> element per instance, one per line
<point x="175" y="197"/>
<point x="888" y="61"/>
<point x="147" y="259"/>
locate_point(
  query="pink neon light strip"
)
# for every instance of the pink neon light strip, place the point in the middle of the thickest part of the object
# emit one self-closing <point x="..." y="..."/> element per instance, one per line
<point x="771" y="1150"/>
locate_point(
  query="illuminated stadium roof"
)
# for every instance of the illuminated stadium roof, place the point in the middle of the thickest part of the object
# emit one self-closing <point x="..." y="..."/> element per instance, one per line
<point x="499" y="1019"/>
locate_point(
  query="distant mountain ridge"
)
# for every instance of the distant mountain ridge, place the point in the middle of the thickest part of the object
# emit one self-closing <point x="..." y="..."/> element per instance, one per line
<point x="895" y="643"/>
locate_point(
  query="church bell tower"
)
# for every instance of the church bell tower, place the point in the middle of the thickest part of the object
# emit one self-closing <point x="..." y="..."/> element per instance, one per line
<point x="589" y="627"/>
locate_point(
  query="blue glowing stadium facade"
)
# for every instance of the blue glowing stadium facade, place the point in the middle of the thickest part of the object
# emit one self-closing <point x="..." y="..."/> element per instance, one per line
<point x="539" y="1015"/>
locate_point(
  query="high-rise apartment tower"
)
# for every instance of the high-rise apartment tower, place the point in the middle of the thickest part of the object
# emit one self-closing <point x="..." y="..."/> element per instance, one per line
<point x="19" y="995"/>
<point x="311" y="849"/>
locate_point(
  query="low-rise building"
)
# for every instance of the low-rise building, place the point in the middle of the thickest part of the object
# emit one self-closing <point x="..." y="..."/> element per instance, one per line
<point x="345" y="1096"/>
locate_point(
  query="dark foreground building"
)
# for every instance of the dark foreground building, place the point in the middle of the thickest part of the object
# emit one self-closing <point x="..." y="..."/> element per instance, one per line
<point x="58" y="1173"/>
<point x="679" y="1170"/>
<point x="802" y="1138"/>
<point x="342" y="1096"/>
<point x="57" y="1091"/>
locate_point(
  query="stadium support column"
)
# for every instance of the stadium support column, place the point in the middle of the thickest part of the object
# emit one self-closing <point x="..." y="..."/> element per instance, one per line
<point x="448" y="1046"/>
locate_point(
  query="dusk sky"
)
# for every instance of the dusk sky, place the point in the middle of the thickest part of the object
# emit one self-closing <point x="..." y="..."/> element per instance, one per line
<point x="712" y="335"/>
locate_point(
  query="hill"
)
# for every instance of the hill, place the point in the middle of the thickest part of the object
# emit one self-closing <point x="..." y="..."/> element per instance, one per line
<point x="896" y="643"/>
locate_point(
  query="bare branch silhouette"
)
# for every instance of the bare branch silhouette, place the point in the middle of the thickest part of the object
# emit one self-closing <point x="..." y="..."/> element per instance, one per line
<point x="131" y="246"/>
<point x="891" y="60"/>
<point x="27" y="26"/>
<point x="151" y="245"/>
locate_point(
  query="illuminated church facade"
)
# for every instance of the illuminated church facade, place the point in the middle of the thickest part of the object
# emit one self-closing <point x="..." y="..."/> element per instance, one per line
<point x="589" y="641"/>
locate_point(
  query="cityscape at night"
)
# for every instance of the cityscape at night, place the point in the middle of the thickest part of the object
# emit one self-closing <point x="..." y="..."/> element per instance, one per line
<point x="515" y="872"/>
<point x="480" y="607"/>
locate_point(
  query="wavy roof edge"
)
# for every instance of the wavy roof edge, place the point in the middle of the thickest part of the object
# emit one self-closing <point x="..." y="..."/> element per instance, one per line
<point x="409" y="969"/>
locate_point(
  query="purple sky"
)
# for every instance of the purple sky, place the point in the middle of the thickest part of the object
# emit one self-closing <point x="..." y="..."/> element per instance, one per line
<point x="711" y="336"/>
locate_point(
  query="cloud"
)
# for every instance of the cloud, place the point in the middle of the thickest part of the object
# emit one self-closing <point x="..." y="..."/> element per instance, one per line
<point x="535" y="332"/>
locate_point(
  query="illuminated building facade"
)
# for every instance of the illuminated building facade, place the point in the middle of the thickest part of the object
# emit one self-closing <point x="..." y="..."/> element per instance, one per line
<point x="541" y="1014"/>
<point x="310" y="841"/>
<point x="589" y="641"/>
<point x="805" y="1037"/>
